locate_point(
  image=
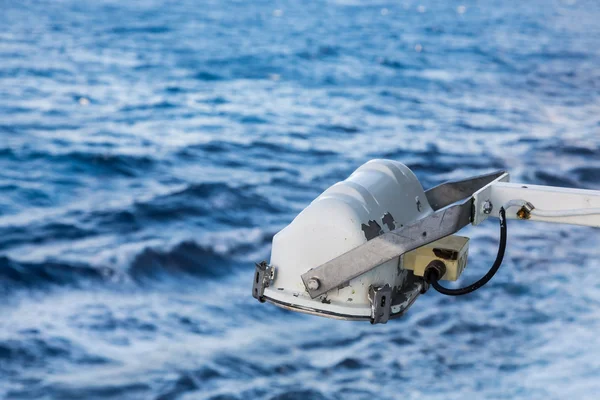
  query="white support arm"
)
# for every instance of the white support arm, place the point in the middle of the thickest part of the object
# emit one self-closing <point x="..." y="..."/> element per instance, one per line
<point x="550" y="204"/>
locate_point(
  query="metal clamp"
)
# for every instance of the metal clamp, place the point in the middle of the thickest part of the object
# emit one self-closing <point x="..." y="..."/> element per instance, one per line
<point x="263" y="277"/>
<point x="381" y="303"/>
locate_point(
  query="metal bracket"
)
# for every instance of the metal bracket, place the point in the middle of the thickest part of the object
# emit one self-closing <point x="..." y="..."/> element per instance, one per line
<point x="381" y="303"/>
<point x="386" y="247"/>
<point x="263" y="277"/>
<point x="452" y="191"/>
<point x="484" y="207"/>
<point x="551" y="204"/>
<point x="453" y="203"/>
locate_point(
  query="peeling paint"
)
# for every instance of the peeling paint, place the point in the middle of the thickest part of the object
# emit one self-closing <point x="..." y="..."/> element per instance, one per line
<point x="388" y="220"/>
<point x="372" y="230"/>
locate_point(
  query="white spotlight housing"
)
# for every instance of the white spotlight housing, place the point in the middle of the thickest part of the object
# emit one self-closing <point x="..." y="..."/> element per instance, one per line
<point x="343" y="256"/>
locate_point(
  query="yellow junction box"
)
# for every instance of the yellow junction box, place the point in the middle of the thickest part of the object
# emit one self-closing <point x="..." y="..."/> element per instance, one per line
<point x="451" y="250"/>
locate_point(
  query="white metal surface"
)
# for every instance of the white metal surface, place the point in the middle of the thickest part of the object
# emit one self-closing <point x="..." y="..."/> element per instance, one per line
<point x="333" y="224"/>
<point x="485" y="194"/>
<point x="551" y="204"/>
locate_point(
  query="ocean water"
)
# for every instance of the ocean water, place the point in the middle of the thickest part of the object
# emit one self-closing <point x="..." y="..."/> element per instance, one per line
<point x="150" y="150"/>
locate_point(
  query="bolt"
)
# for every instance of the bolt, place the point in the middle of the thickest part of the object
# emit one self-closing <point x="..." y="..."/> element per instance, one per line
<point x="488" y="207"/>
<point x="313" y="284"/>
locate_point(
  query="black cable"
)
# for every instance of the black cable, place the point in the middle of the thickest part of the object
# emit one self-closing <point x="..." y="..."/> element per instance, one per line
<point x="433" y="278"/>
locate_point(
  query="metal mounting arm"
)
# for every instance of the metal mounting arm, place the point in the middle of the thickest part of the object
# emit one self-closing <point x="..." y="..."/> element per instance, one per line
<point x="539" y="203"/>
<point x="457" y="204"/>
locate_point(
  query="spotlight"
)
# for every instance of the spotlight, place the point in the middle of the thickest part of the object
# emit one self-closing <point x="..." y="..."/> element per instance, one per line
<point x="368" y="246"/>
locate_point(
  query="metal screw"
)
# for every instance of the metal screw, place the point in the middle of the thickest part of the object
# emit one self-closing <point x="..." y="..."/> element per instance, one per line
<point x="488" y="207"/>
<point x="313" y="284"/>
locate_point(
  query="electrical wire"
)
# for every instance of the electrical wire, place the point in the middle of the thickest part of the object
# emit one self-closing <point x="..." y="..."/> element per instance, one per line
<point x="565" y="213"/>
<point x="434" y="275"/>
<point x="553" y="213"/>
<point x="433" y="280"/>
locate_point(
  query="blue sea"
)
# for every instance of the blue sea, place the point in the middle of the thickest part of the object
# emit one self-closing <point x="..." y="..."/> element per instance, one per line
<point x="150" y="150"/>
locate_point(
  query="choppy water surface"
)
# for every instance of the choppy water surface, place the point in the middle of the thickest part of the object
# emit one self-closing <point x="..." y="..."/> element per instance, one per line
<point x="150" y="150"/>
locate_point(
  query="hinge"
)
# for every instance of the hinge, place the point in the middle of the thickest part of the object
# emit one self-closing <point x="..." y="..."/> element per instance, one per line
<point x="381" y="303"/>
<point x="263" y="277"/>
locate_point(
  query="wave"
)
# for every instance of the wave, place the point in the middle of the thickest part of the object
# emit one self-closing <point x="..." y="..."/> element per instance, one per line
<point x="31" y="350"/>
<point x="207" y="204"/>
<point x="183" y="261"/>
<point x="18" y="274"/>
<point x="78" y="162"/>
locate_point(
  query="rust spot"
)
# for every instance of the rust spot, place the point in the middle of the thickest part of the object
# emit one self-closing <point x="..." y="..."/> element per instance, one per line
<point x="523" y="213"/>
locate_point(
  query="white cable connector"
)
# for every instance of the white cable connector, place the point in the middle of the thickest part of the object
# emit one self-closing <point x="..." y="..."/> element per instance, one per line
<point x="515" y="203"/>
